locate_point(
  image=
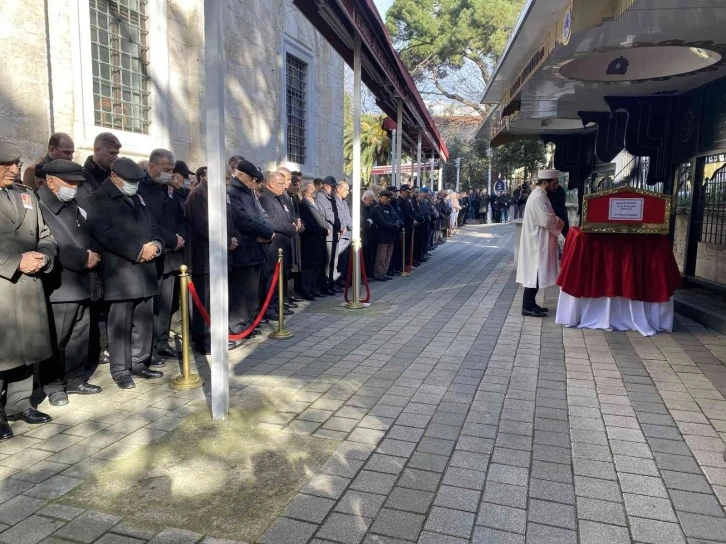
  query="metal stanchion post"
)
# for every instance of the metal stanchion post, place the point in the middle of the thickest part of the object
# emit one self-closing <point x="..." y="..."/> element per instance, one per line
<point x="355" y="303"/>
<point x="404" y="272"/>
<point x="187" y="380"/>
<point x="280" y="333"/>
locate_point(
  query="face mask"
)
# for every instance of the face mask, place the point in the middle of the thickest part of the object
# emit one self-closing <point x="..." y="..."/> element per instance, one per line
<point x="129" y="189"/>
<point x="187" y="183"/>
<point x="165" y="178"/>
<point x="66" y="194"/>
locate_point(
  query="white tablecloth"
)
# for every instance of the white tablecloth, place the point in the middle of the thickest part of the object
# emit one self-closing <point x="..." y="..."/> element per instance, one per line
<point x="617" y="313"/>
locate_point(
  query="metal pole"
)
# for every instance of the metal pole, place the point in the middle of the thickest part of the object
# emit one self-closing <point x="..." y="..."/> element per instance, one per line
<point x="458" y="171"/>
<point x="280" y="333"/>
<point x="214" y="68"/>
<point x="394" y="181"/>
<point x="399" y="143"/>
<point x="489" y="186"/>
<point x="404" y="272"/>
<point x="355" y="303"/>
<point x="187" y="380"/>
<point x="441" y="176"/>
<point x="418" y="161"/>
<point x="432" y="170"/>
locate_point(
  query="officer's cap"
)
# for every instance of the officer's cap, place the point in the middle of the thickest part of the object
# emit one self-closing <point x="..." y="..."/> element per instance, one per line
<point x="251" y="170"/>
<point x="127" y="170"/>
<point x="405" y="187"/>
<point x="330" y="180"/>
<point x="69" y="171"/>
<point x="9" y="152"/>
<point x="386" y="192"/>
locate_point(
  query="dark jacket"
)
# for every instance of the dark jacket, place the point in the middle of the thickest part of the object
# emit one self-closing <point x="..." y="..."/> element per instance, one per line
<point x="120" y="226"/>
<point x="94" y="177"/>
<point x="346" y="220"/>
<point x="444" y="212"/>
<point x="197" y="213"/>
<point x="69" y="280"/>
<point x="397" y="205"/>
<point x="24" y="331"/>
<point x="282" y="225"/>
<point x="558" y="199"/>
<point x="386" y="222"/>
<point x="167" y="208"/>
<point x="327" y="205"/>
<point x="250" y="221"/>
<point x="367" y="227"/>
<point x="314" y="251"/>
<point x="410" y="213"/>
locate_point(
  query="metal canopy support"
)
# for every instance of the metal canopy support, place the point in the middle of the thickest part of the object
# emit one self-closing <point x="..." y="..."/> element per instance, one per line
<point x="355" y="196"/>
<point x="458" y="171"/>
<point x="394" y="181"/>
<point x="214" y="106"/>
<point x="431" y="175"/>
<point x="399" y="143"/>
<point x="419" y="179"/>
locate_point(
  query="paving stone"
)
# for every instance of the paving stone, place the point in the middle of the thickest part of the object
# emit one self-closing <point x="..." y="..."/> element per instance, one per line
<point x="450" y="522"/>
<point x="610" y="513"/>
<point x="288" y="531"/>
<point x="649" y="507"/>
<point x="410" y="500"/>
<point x="485" y="535"/>
<point x="374" y="482"/>
<point x="555" y="472"/>
<point x="30" y="531"/>
<point x="508" y="474"/>
<point x="458" y="498"/>
<point x="419" y="479"/>
<point x="385" y="463"/>
<point x="685" y="482"/>
<point x="543" y="534"/>
<point x="112" y="538"/>
<point x="17" y="509"/>
<point x="61" y="511"/>
<point x="309" y="508"/>
<point x="89" y="526"/>
<point x="176" y="536"/>
<point x="656" y="532"/>
<point x="398" y="524"/>
<point x="642" y="485"/>
<point x="505" y="518"/>
<point x="706" y="527"/>
<point x="597" y="489"/>
<point x="337" y="466"/>
<point x="698" y="503"/>
<point x="636" y="465"/>
<point x="344" y="528"/>
<point x="435" y="538"/>
<point x="428" y="461"/>
<point x="54" y="487"/>
<point x="360" y="503"/>
<point x="326" y="485"/>
<point x="600" y="533"/>
<point x="552" y="513"/>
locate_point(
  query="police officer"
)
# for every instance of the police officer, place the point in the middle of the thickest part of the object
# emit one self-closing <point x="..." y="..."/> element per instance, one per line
<point x="129" y="241"/>
<point x="27" y="251"/>
<point x="68" y="285"/>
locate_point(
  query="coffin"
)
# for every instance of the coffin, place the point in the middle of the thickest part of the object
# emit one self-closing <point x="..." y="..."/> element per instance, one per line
<point x="626" y="210"/>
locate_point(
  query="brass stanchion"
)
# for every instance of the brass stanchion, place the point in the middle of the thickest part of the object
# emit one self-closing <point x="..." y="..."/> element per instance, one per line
<point x="280" y="333"/>
<point x="404" y="272"/>
<point x="355" y="303"/>
<point x="187" y="380"/>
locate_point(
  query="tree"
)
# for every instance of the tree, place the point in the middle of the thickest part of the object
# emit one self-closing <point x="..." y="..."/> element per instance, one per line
<point x="474" y="164"/>
<point x="452" y="45"/>
<point x="527" y="154"/>
<point x="375" y="145"/>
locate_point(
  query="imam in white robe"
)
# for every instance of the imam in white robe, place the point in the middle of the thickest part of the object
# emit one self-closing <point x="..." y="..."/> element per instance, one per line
<point x="538" y="245"/>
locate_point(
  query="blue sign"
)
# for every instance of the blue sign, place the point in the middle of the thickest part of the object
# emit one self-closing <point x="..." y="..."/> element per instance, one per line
<point x="499" y="186"/>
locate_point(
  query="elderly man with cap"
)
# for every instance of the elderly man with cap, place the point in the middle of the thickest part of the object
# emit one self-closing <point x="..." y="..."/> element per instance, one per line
<point x="538" y="265"/>
<point x="291" y="199"/>
<point x="27" y="251"/>
<point x="255" y="229"/>
<point x="130" y="241"/>
<point x="180" y="178"/>
<point x="68" y="286"/>
<point x="166" y="205"/>
<point x="327" y="204"/>
<point x="60" y="146"/>
<point x="386" y="221"/>
<point x="346" y="227"/>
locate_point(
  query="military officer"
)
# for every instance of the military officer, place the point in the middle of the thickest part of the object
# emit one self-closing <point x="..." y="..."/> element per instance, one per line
<point x="129" y="240"/>
<point x="27" y="251"/>
<point x="68" y="285"/>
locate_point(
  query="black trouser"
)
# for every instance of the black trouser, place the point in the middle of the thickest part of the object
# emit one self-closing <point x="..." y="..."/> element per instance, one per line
<point x="344" y="259"/>
<point x="72" y="322"/>
<point x="130" y="334"/>
<point x="97" y="311"/>
<point x="409" y="239"/>
<point x="285" y="279"/>
<point x="332" y="247"/>
<point x="418" y="242"/>
<point x="200" y="329"/>
<point x="163" y="304"/>
<point x="529" y="299"/>
<point x="17" y="384"/>
<point x="244" y="287"/>
<point x="310" y="277"/>
<point x="396" y="265"/>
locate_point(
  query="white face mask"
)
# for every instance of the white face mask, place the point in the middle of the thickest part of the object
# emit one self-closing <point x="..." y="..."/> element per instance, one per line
<point x="165" y="178"/>
<point x="66" y="194"/>
<point x="129" y="189"/>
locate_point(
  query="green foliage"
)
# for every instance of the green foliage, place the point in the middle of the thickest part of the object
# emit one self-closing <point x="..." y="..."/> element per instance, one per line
<point x="527" y="154"/>
<point x="442" y="39"/>
<point x="375" y="145"/>
<point x="474" y="164"/>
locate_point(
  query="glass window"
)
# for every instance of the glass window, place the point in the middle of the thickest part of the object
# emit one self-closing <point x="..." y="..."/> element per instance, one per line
<point x="297" y="102"/>
<point x="119" y="48"/>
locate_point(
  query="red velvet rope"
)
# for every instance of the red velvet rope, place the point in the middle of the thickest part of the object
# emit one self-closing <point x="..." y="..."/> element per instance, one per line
<point x="244" y="334"/>
<point x="363" y="274"/>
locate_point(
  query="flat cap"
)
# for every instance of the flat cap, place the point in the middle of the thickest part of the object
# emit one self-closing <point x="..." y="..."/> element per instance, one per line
<point x="69" y="171"/>
<point x="393" y="189"/>
<point x="9" y="152"/>
<point x="127" y="170"/>
<point x="405" y="187"/>
<point x="180" y="167"/>
<point x="385" y="192"/>
<point x="330" y="180"/>
<point x="251" y="170"/>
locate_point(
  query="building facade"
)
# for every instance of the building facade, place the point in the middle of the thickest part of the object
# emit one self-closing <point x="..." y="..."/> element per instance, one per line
<point x="136" y="68"/>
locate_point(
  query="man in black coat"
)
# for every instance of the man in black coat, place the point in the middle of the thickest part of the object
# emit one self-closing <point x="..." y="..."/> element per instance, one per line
<point x="326" y="203"/>
<point x="291" y="199"/>
<point x="130" y="241"/>
<point x="396" y="266"/>
<point x="558" y="199"/>
<point x="368" y="232"/>
<point x="386" y="221"/>
<point x="274" y="203"/>
<point x="346" y="226"/>
<point x="68" y="285"/>
<point x="197" y="213"/>
<point x="411" y="220"/>
<point x="166" y="206"/>
<point x="255" y="230"/>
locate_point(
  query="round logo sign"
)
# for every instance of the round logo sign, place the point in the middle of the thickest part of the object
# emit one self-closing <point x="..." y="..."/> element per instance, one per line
<point x="567" y="27"/>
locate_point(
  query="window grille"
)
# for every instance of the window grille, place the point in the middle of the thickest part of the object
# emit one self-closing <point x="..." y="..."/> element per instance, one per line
<point x="119" y="36"/>
<point x="297" y="72"/>
<point x="713" y="209"/>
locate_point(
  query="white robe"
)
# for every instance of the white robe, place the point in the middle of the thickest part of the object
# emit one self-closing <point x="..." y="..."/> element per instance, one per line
<point x="538" y="245"/>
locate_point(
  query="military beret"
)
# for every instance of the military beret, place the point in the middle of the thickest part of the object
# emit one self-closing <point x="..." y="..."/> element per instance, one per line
<point x="251" y="170"/>
<point x="405" y="187"/>
<point x="66" y="170"/>
<point x="386" y="192"/>
<point x="330" y="180"/>
<point x="127" y="170"/>
<point x="9" y="152"/>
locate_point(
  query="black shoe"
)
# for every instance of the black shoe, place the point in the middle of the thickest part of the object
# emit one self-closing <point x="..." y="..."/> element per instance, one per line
<point x="84" y="389"/>
<point x="104" y="358"/>
<point x="308" y="296"/>
<point x="541" y="309"/>
<point x="148" y="373"/>
<point x="203" y="349"/>
<point x="319" y="294"/>
<point x="234" y="344"/>
<point x="390" y="276"/>
<point x="125" y="382"/>
<point x="58" y="398"/>
<point x="416" y="263"/>
<point x="169" y="352"/>
<point x="31" y="416"/>
<point x="290" y="305"/>
<point x="6" y="433"/>
<point x="332" y="293"/>
<point x="156" y="360"/>
<point x="287" y="311"/>
<point x="294" y="298"/>
<point x="533" y="313"/>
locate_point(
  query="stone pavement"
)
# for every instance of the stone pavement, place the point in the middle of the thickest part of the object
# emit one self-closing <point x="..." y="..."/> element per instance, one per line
<point x="457" y="421"/>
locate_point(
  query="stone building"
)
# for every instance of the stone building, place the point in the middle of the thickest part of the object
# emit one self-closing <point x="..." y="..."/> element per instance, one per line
<point x="136" y="68"/>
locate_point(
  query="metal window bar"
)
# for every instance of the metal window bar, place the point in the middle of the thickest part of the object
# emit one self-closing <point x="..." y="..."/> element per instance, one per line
<point x="119" y="36"/>
<point x="713" y="209"/>
<point x="634" y="174"/>
<point x="297" y="72"/>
